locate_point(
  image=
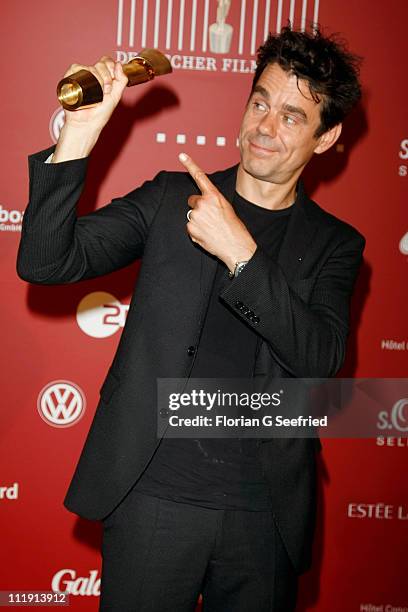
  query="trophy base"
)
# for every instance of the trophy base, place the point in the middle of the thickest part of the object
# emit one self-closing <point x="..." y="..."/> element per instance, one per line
<point x="80" y="90"/>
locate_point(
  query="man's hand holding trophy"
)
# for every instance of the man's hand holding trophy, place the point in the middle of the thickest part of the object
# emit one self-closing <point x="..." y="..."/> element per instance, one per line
<point x="90" y="94"/>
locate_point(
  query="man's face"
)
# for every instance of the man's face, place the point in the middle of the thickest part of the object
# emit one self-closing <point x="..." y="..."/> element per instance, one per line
<point x="277" y="131"/>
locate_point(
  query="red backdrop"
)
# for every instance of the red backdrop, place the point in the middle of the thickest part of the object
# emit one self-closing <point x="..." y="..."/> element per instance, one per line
<point x="50" y="336"/>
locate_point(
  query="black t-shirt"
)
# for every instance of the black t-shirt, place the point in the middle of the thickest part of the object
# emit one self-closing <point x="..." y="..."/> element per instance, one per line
<point x="220" y="473"/>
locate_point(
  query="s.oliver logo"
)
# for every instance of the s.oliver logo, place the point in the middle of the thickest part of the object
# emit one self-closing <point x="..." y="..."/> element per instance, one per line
<point x="395" y="418"/>
<point x="403" y="154"/>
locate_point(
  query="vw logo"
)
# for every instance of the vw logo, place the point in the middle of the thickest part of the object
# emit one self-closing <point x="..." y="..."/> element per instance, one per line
<point x="61" y="403"/>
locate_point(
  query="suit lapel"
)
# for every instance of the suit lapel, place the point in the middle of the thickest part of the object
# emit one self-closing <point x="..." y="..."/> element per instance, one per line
<point x="298" y="236"/>
<point x="226" y="184"/>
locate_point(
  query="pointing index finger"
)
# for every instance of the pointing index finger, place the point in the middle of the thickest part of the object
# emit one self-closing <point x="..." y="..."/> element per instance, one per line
<point x="199" y="176"/>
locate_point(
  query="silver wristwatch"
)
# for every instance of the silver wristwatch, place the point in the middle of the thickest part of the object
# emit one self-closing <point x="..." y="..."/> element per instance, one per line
<point x="239" y="266"/>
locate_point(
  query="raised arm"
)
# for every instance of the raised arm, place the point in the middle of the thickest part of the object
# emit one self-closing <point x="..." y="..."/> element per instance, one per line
<point x="57" y="246"/>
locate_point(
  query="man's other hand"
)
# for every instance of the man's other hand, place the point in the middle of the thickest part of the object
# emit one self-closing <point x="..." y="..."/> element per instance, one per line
<point x="213" y="223"/>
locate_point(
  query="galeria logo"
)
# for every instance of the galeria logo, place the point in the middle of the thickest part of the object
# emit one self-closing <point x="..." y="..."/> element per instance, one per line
<point x="61" y="403"/>
<point x="100" y="314"/>
<point x="396" y="418"/>
<point x="56" y="123"/>
<point x="65" y="581"/>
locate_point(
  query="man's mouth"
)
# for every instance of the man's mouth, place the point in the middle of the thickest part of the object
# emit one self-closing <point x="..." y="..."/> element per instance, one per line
<point x="260" y="150"/>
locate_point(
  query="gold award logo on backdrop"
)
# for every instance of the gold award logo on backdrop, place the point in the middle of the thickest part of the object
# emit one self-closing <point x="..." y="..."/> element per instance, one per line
<point x="200" y="35"/>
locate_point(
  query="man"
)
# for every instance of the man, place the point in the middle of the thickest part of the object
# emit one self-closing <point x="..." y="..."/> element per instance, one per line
<point x="255" y="282"/>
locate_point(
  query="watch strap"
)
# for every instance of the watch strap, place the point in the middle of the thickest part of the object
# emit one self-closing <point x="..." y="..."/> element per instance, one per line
<point x="239" y="266"/>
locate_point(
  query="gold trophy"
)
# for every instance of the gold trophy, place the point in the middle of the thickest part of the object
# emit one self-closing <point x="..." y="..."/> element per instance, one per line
<point x="82" y="89"/>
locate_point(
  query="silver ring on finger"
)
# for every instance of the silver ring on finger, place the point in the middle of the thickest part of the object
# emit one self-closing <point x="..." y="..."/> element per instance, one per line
<point x="189" y="214"/>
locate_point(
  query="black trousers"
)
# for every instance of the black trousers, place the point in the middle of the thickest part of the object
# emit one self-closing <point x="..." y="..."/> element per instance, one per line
<point x="159" y="555"/>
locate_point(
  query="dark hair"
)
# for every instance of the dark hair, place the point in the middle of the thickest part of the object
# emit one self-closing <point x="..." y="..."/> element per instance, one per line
<point x="330" y="70"/>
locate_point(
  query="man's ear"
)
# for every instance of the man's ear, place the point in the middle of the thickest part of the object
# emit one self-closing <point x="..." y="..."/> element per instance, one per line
<point x="327" y="140"/>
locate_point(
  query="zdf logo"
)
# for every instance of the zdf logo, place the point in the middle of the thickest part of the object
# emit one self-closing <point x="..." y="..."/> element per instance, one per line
<point x="396" y="418"/>
<point x="61" y="403"/>
<point x="100" y="314"/>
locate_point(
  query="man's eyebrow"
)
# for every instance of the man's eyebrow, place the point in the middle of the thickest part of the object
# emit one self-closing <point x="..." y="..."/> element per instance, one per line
<point x="264" y="92"/>
<point x="295" y="110"/>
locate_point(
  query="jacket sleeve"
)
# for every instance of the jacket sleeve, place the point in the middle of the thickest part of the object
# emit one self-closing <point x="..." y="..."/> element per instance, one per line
<point x="57" y="246"/>
<point x="306" y="337"/>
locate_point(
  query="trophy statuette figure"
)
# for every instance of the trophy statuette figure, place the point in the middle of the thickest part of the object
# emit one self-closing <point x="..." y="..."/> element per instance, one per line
<point x="221" y="32"/>
<point x="82" y="89"/>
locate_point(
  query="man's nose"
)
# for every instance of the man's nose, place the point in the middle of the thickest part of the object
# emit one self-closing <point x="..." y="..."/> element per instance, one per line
<point x="267" y="125"/>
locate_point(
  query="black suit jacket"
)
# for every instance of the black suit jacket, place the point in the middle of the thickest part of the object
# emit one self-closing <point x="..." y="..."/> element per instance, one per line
<point x="300" y="307"/>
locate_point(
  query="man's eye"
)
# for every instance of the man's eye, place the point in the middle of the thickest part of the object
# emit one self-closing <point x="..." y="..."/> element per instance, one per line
<point x="258" y="106"/>
<point x="289" y="120"/>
